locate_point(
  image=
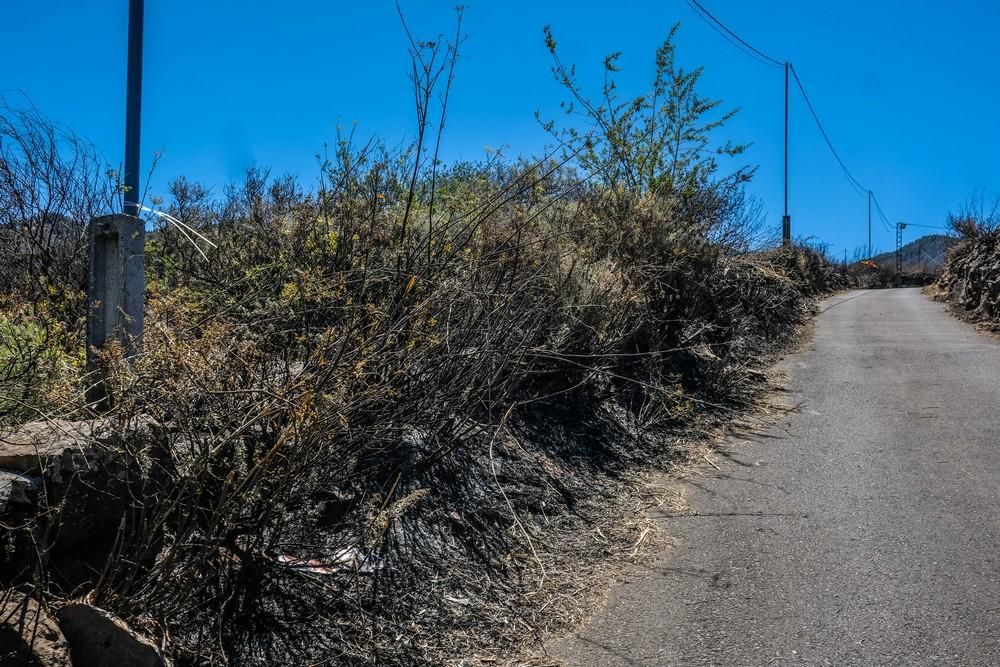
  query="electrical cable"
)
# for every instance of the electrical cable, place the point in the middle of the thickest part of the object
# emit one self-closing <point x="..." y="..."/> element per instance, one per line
<point x="730" y="35"/>
<point x="860" y="189"/>
<point x="758" y="55"/>
<point x="881" y="214"/>
<point x="913" y="224"/>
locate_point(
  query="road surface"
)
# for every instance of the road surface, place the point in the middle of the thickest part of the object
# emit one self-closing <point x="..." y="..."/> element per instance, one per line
<point x="861" y="529"/>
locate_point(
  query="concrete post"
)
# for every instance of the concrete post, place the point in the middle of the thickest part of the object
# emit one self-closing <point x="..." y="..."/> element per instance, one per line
<point x="115" y="292"/>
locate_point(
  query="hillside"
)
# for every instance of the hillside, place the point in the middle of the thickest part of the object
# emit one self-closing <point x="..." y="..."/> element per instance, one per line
<point x="924" y="255"/>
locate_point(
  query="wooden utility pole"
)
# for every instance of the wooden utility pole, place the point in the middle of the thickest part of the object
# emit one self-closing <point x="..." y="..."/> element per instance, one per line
<point x="116" y="281"/>
<point x="786" y="220"/>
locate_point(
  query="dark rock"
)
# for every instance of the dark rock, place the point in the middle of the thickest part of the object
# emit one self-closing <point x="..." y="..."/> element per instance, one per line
<point x="99" y="639"/>
<point x="17" y="491"/>
<point x="98" y="477"/>
<point x="95" y="484"/>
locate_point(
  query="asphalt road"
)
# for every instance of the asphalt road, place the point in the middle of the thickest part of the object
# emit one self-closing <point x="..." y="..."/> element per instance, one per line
<point x="861" y="529"/>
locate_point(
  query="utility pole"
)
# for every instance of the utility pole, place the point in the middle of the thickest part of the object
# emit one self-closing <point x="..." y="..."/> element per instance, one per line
<point x="133" y="108"/>
<point x="869" y="224"/>
<point x="900" y="226"/>
<point x="786" y="220"/>
<point x="117" y="245"/>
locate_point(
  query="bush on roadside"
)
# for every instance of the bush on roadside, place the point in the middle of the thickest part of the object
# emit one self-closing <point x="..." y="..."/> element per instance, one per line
<point x="385" y="408"/>
<point x="970" y="279"/>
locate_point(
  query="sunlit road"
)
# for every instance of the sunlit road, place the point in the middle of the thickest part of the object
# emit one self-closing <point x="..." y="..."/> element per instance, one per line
<point x="863" y="528"/>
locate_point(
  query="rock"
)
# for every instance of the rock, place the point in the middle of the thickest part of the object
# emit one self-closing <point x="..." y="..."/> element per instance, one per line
<point x="96" y="476"/>
<point x="125" y="469"/>
<point x="28" y="635"/>
<point x="17" y="491"/>
<point x="97" y="639"/>
<point x="33" y="445"/>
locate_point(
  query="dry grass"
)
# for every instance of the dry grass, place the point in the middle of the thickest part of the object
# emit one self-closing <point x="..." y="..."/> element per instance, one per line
<point x="408" y="416"/>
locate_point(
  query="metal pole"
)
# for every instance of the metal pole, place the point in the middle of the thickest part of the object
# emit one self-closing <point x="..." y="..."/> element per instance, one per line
<point x="117" y="244"/>
<point x="133" y="107"/>
<point x="900" y="226"/>
<point x="869" y="224"/>
<point x="786" y="220"/>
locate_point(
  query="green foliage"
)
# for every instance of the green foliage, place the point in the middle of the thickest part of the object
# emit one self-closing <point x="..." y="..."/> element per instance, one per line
<point x="37" y="373"/>
<point x="655" y="144"/>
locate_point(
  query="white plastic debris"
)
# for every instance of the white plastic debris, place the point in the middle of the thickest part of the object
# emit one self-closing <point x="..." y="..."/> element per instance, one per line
<point x="350" y="559"/>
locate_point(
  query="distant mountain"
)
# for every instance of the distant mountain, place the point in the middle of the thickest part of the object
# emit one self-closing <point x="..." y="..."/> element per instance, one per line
<point x="925" y="255"/>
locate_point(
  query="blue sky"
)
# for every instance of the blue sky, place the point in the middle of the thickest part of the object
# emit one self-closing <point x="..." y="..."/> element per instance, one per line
<point x="908" y="91"/>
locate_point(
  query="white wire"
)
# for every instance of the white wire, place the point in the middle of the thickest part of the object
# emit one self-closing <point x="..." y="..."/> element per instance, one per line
<point x="184" y="228"/>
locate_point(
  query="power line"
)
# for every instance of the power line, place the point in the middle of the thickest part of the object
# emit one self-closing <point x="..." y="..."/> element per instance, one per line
<point x="881" y="214"/>
<point x="912" y="224"/>
<point x="722" y="29"/>
<point x="889" y="226"/>
<point x="730" y="35"/>
<point x="860" y="189"/>
<point x="743" y="45"/>
<point x="729" y="39"/>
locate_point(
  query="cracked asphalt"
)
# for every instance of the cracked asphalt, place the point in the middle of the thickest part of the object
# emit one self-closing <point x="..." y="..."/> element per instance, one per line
<point x="860" y="528"/>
